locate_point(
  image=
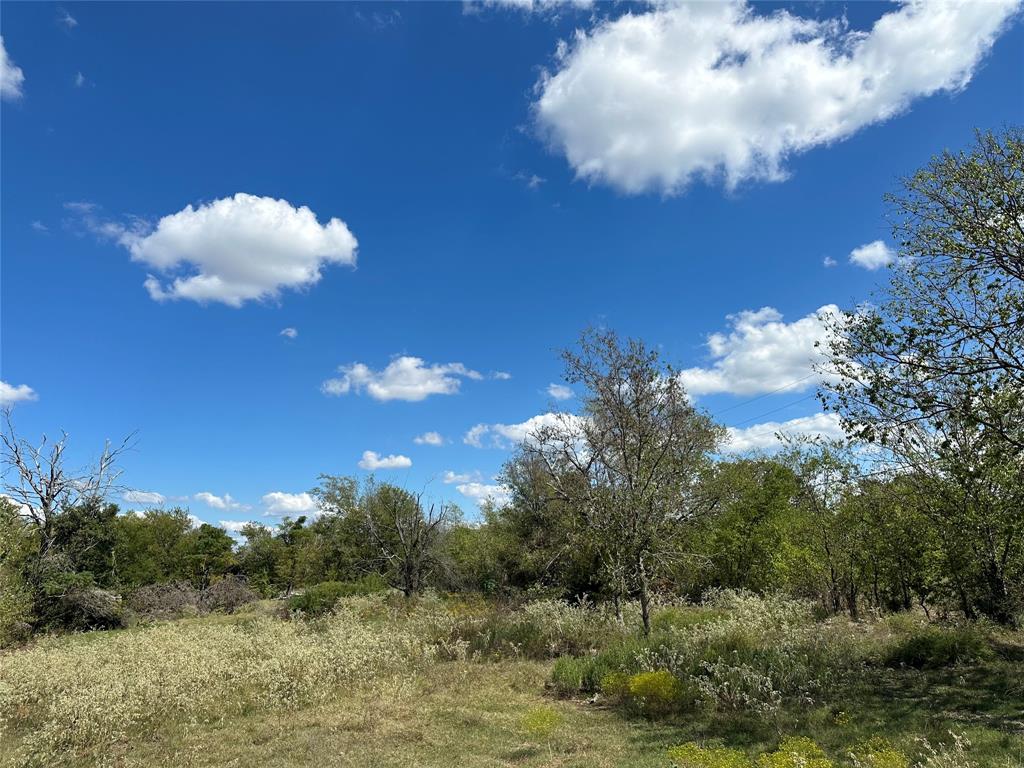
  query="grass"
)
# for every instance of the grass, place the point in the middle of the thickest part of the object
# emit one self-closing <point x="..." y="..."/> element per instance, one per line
<point x="433" y="705"/>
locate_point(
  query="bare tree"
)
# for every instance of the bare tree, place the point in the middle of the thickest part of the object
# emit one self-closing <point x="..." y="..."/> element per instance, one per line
<point x="38" y="482"/>
<point x="405" y="535"/>
<point x="629" y="464"/>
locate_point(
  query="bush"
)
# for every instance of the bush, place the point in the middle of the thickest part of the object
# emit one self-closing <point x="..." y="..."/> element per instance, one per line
<point x="935" y="647"/>
<point x="692" y="756"/>
<point x="228" y="595"/>
<point x="655" y="692"/>
<point x="320" y="599"/>
<point x="164" y="601"/>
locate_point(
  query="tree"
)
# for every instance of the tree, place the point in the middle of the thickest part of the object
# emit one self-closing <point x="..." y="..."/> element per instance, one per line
<point x="630" y="464"/>
<point x="934" y="371"/>
<point x="406" y="537"/>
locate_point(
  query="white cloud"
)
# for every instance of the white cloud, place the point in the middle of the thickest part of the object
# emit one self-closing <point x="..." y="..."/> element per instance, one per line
<point x="291" y="333"/>
<point x="38" y="226"/>
<point x="372" y="460"/>
<point x="501" y="375"/>
<point x="429" y="438"/>
<point x="450" y="477"/>
<point x="559" y="391"/>
<point x="721" y="90"/>
<point x="236" y="249"/>
<point x="10" y="394"/>
<point x="219" y="502"/>
<point x="530" y="6"/>
<point x="11" y="76"/>
<point x="872" y="256"/>
<point x="66" y="19"/>
<point x="280" y="503"/>
<point x="765" y="436"/>
<point x="405" y="378"/>
<point x="509" y="435"/>
<point x="761" y="353"/>
<point x="196" y="521"/>
<point x="478" y="492"/>
<point x="143" y="497"/>
<point x="234" y="526"/>
<point x="830" y="262"/>
<point x="79" y="80"/>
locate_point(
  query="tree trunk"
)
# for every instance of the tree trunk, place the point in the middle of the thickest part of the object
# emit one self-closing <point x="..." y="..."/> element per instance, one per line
<point x="645" y="598"/>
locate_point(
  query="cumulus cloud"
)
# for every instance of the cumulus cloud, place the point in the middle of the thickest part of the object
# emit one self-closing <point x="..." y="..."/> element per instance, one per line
<point x="509" y="435"/>
<point x="405" y="378"/>
<point x="479" y="492"/>
<point x="765" y="436"/>
<point x="232" y="250"/>
<point x="11" y="76"/>
<point x="143" y="497"/>
<point x="372" y="460"/>
<point x="450" y="477"/>
<point x="429" y="438"/>
<point x="559" y="391"/>
<point x="280" y="503"/>
<point x="219" y="502"/>
<point x="872" y="255"/>
<point x="236" y="526"/>
<point x="722" y="91"/>
<point x="501" y="375"/>
<point x="762" y="353"/>
<point x="290" y="333"/>
<point x="10" y="394"/>
<point x="828" y="261"/>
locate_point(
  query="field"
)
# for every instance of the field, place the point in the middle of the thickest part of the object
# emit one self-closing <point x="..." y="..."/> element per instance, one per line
<point x="461" y="682"/>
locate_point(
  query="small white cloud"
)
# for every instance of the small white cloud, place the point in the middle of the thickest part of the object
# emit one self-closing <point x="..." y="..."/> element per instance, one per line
<point x="195" y="522"/>
<point x="651" y="101"/>
<point x="232" y="250"/>
<point x="559" y="391"/>
<point x="11" y="76"/>
<point x="79" y="80"/>
<point x="762" y="353"/>
<point x="479" y="492"/>
<point x="143" y="497"/>
<point x="549" y="7"/>
<point x="236" y="526"/>
<point x="830" y="262"/>
<point x="66" y="19"/>
<point x="219" y="502"/>
<point x="38" y="226"/>
<point x="290" y="333"/>
<point x="280" y="503"/>
<point x="450" y="477"/>
<point x="372" y="460"/>
<point x="872" y="256"/>
<point x="429" y="438"/>
<point x="10" y="394"/>
<point x="405" y="378"/>
<point x="501" y="375"/>
<point x="766" y="436"/>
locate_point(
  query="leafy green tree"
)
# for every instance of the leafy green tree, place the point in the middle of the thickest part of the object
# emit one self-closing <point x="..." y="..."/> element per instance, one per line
<point x="151" y="549"/>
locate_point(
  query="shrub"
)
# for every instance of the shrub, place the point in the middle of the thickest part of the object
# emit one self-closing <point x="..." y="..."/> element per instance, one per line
<point x="164" y="601"/>
<point x="692" y="756"/>
<point x="228" y="595"/>
<point x="879" y="753"/>
<point x="795" y="752"/>
<point x="655" y="692"/>
<point x="320" y="599"/>
<point x="934" y="647"/>
<point x="675" y="618"/>
<point x="569" y="673"/>
<point x="541" y="722"/>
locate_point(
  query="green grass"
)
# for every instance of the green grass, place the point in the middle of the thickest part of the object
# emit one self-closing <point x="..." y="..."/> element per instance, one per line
<point x="506" y="712"/>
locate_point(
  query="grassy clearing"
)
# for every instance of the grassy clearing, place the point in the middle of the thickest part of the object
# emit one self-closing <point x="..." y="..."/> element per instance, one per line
<point x="461" y="683"/>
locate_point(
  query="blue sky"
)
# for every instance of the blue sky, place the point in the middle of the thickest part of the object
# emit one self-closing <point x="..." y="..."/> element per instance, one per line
<point x="669" y="172"/>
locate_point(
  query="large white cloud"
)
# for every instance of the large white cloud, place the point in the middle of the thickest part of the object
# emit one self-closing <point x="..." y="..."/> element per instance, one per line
<point x="719" y="90"/>
<point x="10" y="394"/>
<point x="872" y="256"/>
<point x="510" y="435"/>
<point x="765" y="436"/>
<point x="405" y="378"/>
<point x="235" y="249"/>
<point x="281" y="503"/>
<point x="762" y="353"/>
<point x="11" y="76"/>
<point x="372" y="460"/>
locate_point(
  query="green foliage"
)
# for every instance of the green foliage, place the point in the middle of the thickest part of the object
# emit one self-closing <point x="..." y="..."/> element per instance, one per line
<point x="933" y="647"/>
<point x="655" y="692"/>
<point x="879" y="753"/>
<point x="691" y="755"/>
<point x="320" y="599"/>
<point x="542" y="722"/>
<point x="795" y="752"/>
